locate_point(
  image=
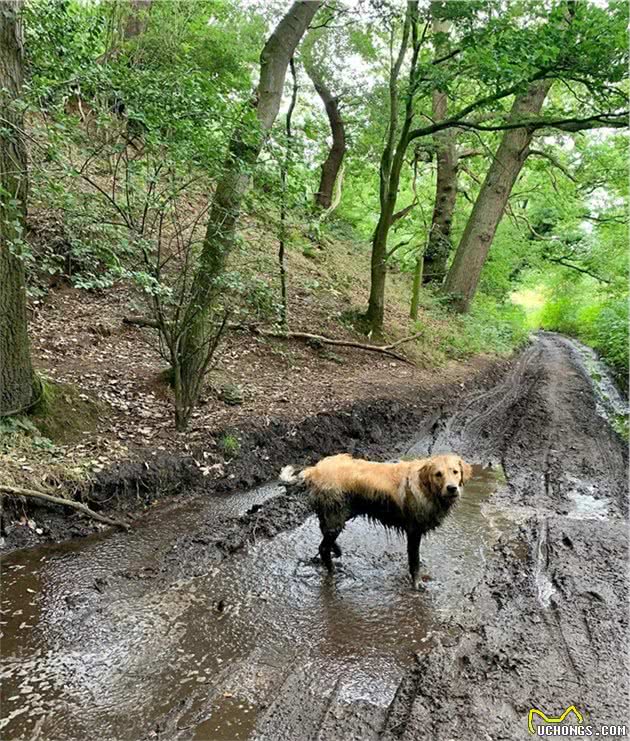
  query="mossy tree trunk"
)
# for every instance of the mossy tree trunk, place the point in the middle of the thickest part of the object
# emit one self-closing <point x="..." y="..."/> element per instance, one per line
<point x="199" y="333"/>
<point x="392" y="161"/>
<point x="137" y="19"/>
<point x="333" y="162"/>
<point x="16" y="371"/>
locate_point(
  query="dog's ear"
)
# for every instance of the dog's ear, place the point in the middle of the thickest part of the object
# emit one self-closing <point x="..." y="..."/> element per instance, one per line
<point x="466" y="470"/>
<point x="417" y="480"/>
<point x="424" y="476"/>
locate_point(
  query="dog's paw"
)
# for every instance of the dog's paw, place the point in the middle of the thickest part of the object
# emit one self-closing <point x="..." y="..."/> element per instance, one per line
<point x="418" y="583"/>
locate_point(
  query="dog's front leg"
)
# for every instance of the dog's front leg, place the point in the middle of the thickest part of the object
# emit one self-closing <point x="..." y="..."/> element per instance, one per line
<point x="413" y="554"/>
<point x="327" y="545"/>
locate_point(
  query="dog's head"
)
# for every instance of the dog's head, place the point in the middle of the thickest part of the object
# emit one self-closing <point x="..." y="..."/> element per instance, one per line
<point x="443" y="476"/>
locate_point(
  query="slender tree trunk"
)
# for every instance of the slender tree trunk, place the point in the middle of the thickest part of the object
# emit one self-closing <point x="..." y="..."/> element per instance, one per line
<point x="375" y="314"/>
<point x="463" y="277"/>
<point x="392" y="161"/>
<point x="417" y="282"/>
<point x="332" y="165"/>
<point x="245" y="145"/>
<point x="16" y="371"/>
<point x="439" y="242"/>
<point x="285" y="168"/>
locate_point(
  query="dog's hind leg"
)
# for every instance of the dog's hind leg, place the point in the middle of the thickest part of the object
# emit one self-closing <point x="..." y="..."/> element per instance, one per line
<point x="327" y="545"/>
<point x="413" y="554"/>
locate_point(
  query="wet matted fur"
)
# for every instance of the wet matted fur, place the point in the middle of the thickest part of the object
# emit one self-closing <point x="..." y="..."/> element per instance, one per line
<point x="413" y="497"/>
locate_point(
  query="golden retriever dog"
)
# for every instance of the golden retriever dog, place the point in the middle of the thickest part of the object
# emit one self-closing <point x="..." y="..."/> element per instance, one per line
<point x="412" y="497"/>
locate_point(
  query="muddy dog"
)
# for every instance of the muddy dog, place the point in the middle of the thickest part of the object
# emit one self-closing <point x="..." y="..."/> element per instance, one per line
<point x="413" y="497"/>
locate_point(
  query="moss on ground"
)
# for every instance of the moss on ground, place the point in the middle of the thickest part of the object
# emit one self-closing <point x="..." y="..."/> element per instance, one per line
<point x="64" y="414"/>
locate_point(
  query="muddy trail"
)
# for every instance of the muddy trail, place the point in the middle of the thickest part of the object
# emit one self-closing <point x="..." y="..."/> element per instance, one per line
<point x="210" y="620"/>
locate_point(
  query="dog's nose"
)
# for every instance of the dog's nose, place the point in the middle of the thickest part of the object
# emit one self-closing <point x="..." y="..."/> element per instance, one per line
<point x="452" y="489"/>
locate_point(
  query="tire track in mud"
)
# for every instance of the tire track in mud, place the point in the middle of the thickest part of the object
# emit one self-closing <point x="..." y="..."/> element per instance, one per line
<point x="553" y="620"/>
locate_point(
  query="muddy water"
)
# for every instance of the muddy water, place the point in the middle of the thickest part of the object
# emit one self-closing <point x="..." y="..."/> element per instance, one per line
<point x="610" y="401"/>
<point x="205" y="656"/>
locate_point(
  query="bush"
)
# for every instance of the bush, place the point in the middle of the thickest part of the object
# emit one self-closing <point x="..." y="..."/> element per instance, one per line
<point x="601" y="322"/>
<point x="610" y="337"/>
<point x="492" y="327"/>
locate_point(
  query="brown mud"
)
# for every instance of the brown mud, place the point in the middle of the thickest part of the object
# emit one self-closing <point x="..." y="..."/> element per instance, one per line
<point x="210" y="620"/>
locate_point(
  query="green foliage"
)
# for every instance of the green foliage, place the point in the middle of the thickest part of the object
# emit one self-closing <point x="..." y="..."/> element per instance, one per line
<point x="229" y="444"/>
<point x="489" y="328"/>
<point x="602" y="324"/>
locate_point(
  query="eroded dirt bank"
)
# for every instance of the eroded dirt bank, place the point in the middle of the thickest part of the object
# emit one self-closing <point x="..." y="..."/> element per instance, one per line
<point x="373" y="426"/>
<point x="212" y="622"/>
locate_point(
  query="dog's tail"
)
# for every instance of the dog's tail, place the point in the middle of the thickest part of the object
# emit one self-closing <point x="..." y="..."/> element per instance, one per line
<point x="289" y="476"/>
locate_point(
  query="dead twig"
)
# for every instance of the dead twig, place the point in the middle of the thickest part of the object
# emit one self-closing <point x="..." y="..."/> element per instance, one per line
<point x="17" y="491"/>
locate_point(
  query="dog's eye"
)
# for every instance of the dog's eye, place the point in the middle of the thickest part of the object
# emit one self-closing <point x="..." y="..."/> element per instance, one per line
<point x="439" y="474"/>
<point x="455" y="470"/>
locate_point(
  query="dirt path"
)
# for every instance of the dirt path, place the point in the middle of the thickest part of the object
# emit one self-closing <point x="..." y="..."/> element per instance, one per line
<point x="211" y="622"/>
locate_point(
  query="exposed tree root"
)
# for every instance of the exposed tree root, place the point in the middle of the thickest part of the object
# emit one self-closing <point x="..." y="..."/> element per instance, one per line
<point x="17" y="491"/>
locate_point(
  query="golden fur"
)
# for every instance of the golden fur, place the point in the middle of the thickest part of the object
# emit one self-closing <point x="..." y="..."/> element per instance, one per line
<point x="411" y="496"/>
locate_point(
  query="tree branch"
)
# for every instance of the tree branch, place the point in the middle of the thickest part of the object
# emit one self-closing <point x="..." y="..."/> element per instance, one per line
<point x="554" y="161"/>
<point x="17" y="491"/>
<point x="307" y="337"/>
<point x="561" y="261"/>
<point x="573" y="124"/>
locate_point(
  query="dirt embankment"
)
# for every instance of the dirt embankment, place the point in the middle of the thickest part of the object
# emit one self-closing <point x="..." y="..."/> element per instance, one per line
<point x="370" y="426"/>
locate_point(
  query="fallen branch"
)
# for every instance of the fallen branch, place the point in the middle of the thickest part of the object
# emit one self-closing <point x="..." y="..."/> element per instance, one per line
<point x="403" y="340"/>
<point x="384" y="349"/>
<point x="17" y="491"/>
<point x="140" y="321"/>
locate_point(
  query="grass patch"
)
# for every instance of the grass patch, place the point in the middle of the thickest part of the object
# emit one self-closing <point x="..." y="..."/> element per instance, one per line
<point x="229" y="444"/>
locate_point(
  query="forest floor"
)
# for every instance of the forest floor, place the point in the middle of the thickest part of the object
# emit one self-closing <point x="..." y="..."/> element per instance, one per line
<point x="210" y="619"/>
<point x="107" y="434"/>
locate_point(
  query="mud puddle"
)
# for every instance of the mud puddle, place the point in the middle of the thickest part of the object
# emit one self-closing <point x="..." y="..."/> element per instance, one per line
<point x="213" y="656"/>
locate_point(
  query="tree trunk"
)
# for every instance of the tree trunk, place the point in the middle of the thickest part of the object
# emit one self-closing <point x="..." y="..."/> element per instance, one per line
<point x="375" y="314"/>
<point x="138" y="18"/>
<point x="415" y="290"/>
<point x="245" y="145"/>
<point x="463" y="277"/>
<point x="16" y="371"/>
<point x="392" y="161"/>
<point x="332" y="164"/>
<point x="439" y="243"/>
